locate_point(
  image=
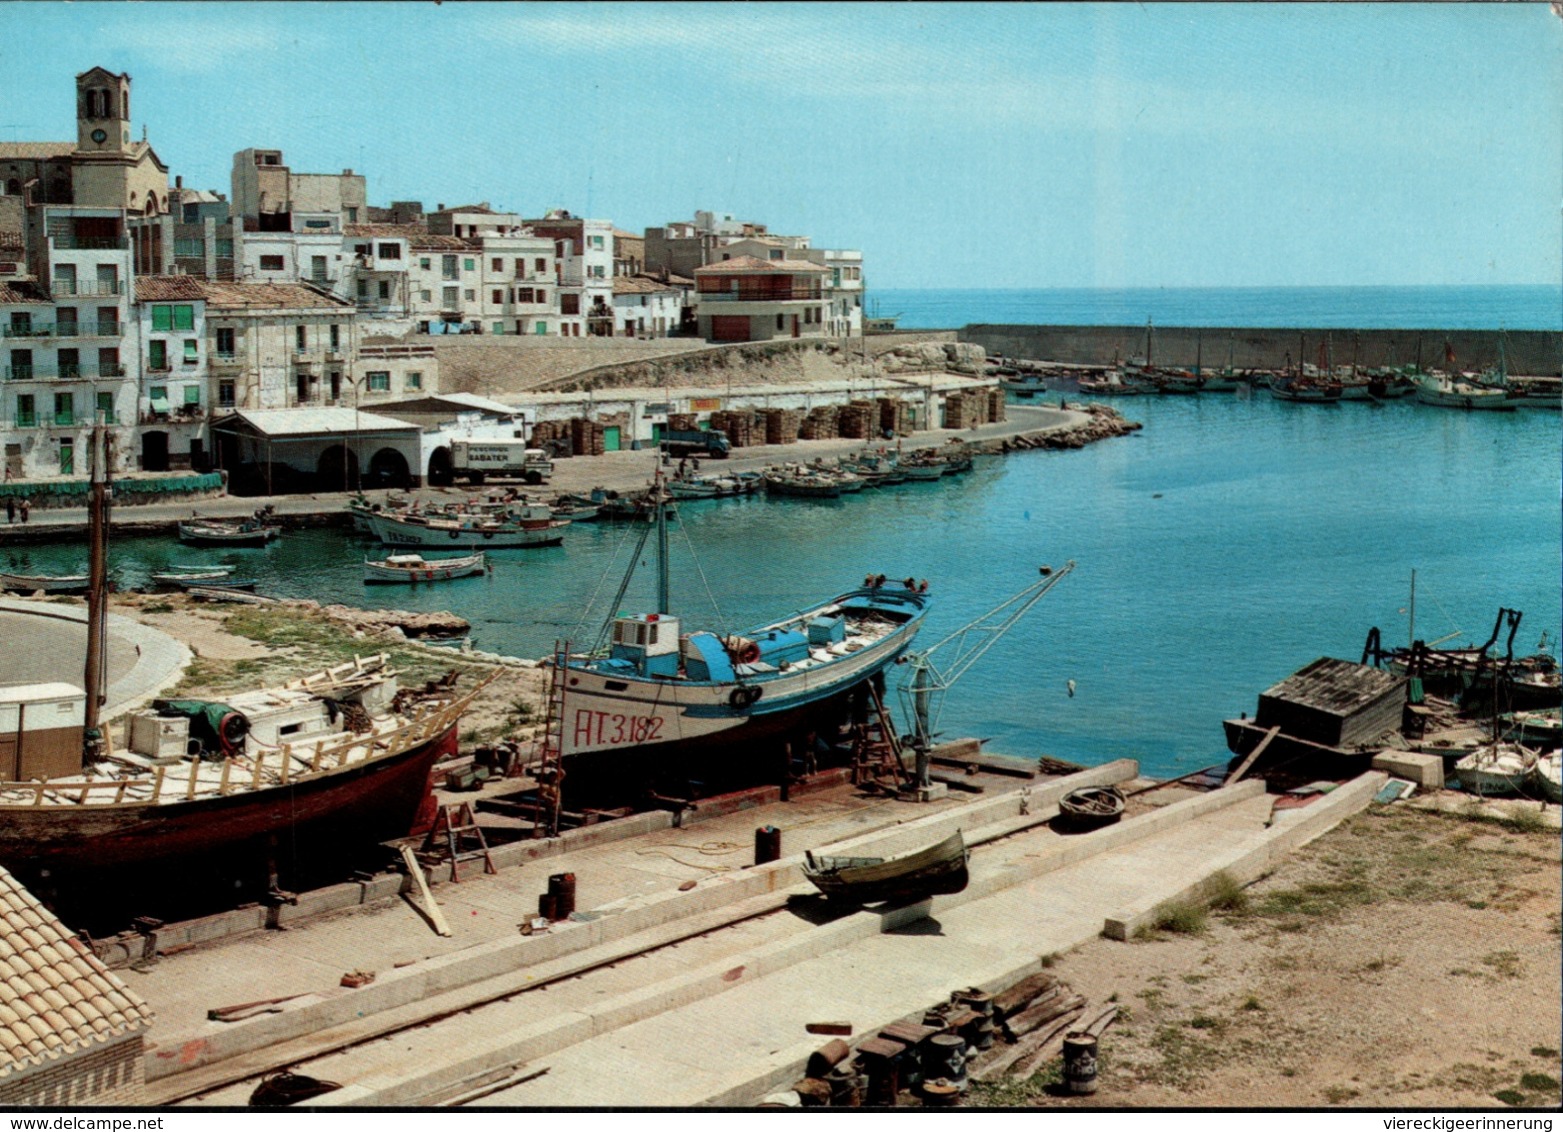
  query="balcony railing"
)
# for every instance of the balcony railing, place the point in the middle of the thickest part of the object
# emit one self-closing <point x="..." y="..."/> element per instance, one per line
<point x="67" y="372"/>
<point x="90" y="243"/>
<point x="87" y="287"/>
<point x="225" y="361"/>
<point x="64" y="330"/>
<point x="781" y="295"/>
<point x="34" y="330"/>
<point x="64" y="420"/>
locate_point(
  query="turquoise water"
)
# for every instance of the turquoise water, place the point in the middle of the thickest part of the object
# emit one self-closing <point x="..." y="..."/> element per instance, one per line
<point x="1230" y="542"/>
<point x="1345" y="308"/>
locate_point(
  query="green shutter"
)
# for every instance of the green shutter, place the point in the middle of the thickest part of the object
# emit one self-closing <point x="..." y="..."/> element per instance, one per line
<point x="192" y="395"/>
<point x="157" y="354"/>
<point x="184" y="317"/>
<point x="190" y="350"/>
<point x="162" y="318"/>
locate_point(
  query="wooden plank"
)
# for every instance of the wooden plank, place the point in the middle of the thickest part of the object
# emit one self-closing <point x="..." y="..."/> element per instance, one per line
<point x="1252" y="756"/>
<point x="415" y="870"/>
<point x="1049" y="1046"/>
<point x="1012" y="1000"/>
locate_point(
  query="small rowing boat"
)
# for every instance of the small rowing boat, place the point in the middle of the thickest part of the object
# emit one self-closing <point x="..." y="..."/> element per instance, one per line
<point x="1090" y="807"/>
<point x="48" y="583"/>
<point x="412" y="568"/>
<point x="935" y="871"/>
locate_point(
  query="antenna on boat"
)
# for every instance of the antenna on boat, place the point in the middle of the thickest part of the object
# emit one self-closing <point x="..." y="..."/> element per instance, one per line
<point x="94" y="677"/>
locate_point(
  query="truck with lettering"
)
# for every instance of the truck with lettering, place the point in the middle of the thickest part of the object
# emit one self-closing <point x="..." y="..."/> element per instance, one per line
<point x="712" y="443"/>
<point x="477" y="460"/>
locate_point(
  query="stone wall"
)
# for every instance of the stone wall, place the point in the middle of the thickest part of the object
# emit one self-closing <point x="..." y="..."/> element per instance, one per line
<point x="1529" y="352"/>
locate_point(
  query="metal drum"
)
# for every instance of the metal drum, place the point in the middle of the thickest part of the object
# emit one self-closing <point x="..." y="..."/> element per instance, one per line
<point x="944" y="1057"/>
<point x="561" y="886"/>
<point x="1079" y="1062"/>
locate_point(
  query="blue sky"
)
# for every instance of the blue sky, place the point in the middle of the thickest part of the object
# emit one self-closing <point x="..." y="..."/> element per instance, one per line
<point x="1005" y="145"/>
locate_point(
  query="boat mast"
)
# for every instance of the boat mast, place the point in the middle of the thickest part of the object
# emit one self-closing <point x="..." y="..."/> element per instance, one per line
<point x="1410" y="643"/>
<point x="659" y="501"/>
<point x="97" y="583"/>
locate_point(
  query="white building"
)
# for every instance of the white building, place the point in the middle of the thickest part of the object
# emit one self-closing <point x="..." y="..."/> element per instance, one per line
<point x="170" y="316"/>
<point x="644" y="307"/>
<point x="278" y="345"/>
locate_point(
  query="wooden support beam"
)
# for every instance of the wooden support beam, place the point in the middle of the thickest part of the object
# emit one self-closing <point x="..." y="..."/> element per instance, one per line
<point x="1252" y="756"/>
<point x="415" y="870"/>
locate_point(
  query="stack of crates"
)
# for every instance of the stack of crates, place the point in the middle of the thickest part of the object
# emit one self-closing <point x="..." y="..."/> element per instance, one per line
<point x="820" y="424"/>
<point x="996" y="410"/>
<point x="857" y="420"/>
<point x="683" y="422"/>
<point x="738" y="425"/>
<point x="545" y="432"/>
<point x="587" y="437"/>
<point x="895" y="416"/>
<point x="781" y="425"/>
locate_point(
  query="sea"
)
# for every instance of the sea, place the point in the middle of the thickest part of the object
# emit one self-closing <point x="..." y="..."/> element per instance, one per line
<point x="1228" y="543"/>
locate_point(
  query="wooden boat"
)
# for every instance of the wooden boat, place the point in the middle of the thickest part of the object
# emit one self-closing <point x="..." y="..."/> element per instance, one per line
<point x="935" y="871"/>
<point x="1448" y="392"/>
<point x="1307" y="390"/>
<point x="210" y="532"/>
<point x="193" y="576"/>
<point x="220" y="582"/>
<point x="1547" y="776"/>
<point x="467" y="532"/>
<point x="1542" y="728"/>
<point x="408" y="569"/>
<point x="1090" y="807"/>
<point x="285" y="784"/>
<point x="922" y="466"/>
<point x="801" y="484"/>
<point x="48" y="583"/>
<point x="1496" y="769"/>
<point x="1112" y="384"/>
<point x="576" y="508"/>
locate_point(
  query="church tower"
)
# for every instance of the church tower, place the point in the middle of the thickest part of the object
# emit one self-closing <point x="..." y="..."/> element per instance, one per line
<point x="109" y="169"/>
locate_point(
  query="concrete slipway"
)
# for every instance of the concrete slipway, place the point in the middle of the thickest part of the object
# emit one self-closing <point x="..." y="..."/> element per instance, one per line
<point x="700" y="997"/>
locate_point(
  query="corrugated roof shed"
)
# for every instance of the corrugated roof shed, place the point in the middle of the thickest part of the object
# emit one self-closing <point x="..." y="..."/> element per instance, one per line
<point x="748" y="264"/>
<point x="167" y="288"/>
<point x="415" y="234"/>
<point x="326" y="420"/>
<point x="56" y="997"/>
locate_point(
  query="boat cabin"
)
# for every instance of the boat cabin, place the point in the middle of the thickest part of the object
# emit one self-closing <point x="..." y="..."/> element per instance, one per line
<point x="42" y="727"/>
<point x="648" y="643"/>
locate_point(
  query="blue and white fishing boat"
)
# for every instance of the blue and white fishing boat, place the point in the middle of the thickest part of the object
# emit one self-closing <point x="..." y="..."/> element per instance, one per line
<point x="661" y="690"/>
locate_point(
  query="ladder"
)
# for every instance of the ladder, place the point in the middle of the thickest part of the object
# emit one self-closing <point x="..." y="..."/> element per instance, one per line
<point x="549" y="771"/>
<point x="876" y="751"/>
<point x="464" y="839"/>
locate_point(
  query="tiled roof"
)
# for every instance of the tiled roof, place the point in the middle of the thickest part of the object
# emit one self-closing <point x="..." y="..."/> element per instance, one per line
<point x="56" y="997"/>
<point x="23" y="291"/>
<point x="35" y="151"/>
<point x="167" y="288"/>
<point x="639" y="285"/>
<point x="749" y="263"/>
<point x="254" y="296"/>
<point x="621" y="234"/>
<point x="416" y="235"/>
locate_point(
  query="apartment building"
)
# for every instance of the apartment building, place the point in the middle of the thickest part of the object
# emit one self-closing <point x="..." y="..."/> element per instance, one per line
<point x="266" y="191"/>
<point x="67" y="343"/>
<point x="583" y="271"/>
<point x="748" y="299"/>
<point x="645" y="307"/>
<point x="278" y="345"/>
<point x="174" y="402"/>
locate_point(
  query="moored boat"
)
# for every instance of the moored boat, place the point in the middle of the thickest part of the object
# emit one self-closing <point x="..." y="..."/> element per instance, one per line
<point x="467" y="531"/>
<point x="1547" y="776"/>
<point x="1497" y="768"/>
<point x="215" y="532"/>
<point x="1307" y="390"/>
<point x="48" y="583"/>
<point x="1449" y="392"/>
<point x="408" y="569"/>
<point x="935" y="871"/>
<point x="802" y="484"/>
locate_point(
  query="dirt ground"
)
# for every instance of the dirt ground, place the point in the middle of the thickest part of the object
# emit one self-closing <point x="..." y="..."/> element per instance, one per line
<point x="1407" y="959"/>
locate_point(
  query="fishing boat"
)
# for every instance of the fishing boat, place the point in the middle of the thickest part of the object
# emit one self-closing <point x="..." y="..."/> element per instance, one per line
<point x="465" y="531"/>
<point x="1546" y="776"/>
<point x="935" y="871"/>
<point x="185" y="575"/>
<point x="1498" y="768"/>
<point x="1308" y="390"/>
<point x="802" y="484"/>
<point x="1541" y="729"/>
<point x="922" y="465"/>
<point x="215" y="532"/>
<point x="219" y="582"/>
<point x="48" y="583"/>
<point x="408" y="569"/>
<point x="1448" y="392"/>
<point x="1090" y="807"/>
<point x="1112" y="384"/>
<point x="661" y="690"/>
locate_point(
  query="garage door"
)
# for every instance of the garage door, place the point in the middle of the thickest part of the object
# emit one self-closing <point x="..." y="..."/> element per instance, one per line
<point x="730" y="328"/>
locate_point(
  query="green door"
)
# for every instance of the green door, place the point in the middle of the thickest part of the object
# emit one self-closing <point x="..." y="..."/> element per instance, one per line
<point x="656" y="433"/>
<point x="610" y="438"/>
<point x="67" y="456"/>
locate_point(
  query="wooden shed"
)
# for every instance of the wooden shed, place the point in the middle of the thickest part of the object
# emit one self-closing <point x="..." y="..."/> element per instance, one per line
<point x="1335" y="703"/>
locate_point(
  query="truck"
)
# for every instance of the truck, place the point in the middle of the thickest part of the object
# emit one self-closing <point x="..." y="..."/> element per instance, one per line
<point x="712" y="443"/>
<point x="477" y="460"/>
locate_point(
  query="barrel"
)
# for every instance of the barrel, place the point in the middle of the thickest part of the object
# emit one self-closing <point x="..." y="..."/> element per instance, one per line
<point x="944" y="1056"/>
<point x="547" y="906"/>
<point x="561" y="886"/>
<point x="827" y="1057"/>
<point x="1079" y="1062"/>
<point x="846" y="1090"/>
<point x="767" y="845"/>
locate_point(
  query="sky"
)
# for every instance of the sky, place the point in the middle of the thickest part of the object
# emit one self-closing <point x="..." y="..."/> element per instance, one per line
<point x="967" y="145"/>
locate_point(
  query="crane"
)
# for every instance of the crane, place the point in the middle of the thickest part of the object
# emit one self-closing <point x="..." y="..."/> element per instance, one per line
<point x="922" y="689"/>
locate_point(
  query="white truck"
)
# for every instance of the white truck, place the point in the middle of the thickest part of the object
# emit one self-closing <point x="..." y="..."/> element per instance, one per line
<point x="477" y="460"/>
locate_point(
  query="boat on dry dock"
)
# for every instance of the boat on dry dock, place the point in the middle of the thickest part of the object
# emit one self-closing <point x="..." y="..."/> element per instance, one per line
<point x="938" y="870"/>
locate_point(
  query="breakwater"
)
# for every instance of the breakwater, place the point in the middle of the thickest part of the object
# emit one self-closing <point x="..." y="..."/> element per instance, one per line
<point x="1528" y="352"/>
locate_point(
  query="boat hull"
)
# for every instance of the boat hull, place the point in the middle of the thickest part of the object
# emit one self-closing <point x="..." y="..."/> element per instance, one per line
<point x="31" y="583"/>
<point x="398" y="532"/>
<point x="213" y="536"/>
<point x="939" y="870"/>
<point x="431" y="570"/>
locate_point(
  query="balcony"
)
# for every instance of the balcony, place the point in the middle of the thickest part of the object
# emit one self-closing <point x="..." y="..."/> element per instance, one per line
<point x="87" y="287"/>
<point x="64" y="330"/>
<point x="89" y="243"/>
<point x="66" y="372"/>
<point x="762" y="295"/>
<point x="225" y="362"/>
<point x="32" y="330"/>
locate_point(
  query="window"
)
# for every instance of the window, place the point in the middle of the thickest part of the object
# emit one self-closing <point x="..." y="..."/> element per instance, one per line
<point x="192" y="351"/>
<point x="225" y="394"/>
<point x="413" y="380"/>
<point x="317" y="268"/>
<point x="158" y="393"/>
<point x="378" y="380"/>
<point x="157" y="354"/>
<point x="352" y="215"/>
<point x="448" y="267"/>
<point x="69" y="363"/>
<point x="162" y="318"/>
<point x="542" y="296"/>
<point x="520" y="269"/>
<point x="192" y="395"/>
<point x="471" y="294"/>
<point x="469" y="265"/>
<point x="542" y="265"/>
<point x="271" y="263"/>
<point x="541" y="328"/>
<point x="424" y="263"/>
<point x="390" y="251"/>
<point x="569" y="304"/>
<point x="425" y="296"/>
<point x="497" y="264"/>
<point x="363" y="288"/>
<point x="224" y="249"/>
<point x="450" y="297"/>
<point x="385" y="288"/>
<point x="225" y="341"/>
<point x="300" y="339"/>
<point x="105" y="407"/>
<point x="596" y="241"/>
<point x="184" y="318"/>
<point x="498" y="297"/>
<point x="499" y="328"/>
<point x="26" y="411"/>
<point x="600" y="271"/>
<point x="363" y="249"/>
<point x="64" y="410"/>
<point x="67" y="447"/>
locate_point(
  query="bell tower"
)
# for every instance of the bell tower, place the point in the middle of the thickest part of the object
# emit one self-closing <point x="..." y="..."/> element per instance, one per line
<point x="102" y="112"/>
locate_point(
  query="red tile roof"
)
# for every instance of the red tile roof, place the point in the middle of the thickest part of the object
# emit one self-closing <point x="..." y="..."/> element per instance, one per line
<point x="267" y="296"/>
<point x="35" y="151"/>
<point x="416" y="235"/>
<point x="23" y="291"/>
<point x="56" y="997"/>
<point x="167" y="288"/>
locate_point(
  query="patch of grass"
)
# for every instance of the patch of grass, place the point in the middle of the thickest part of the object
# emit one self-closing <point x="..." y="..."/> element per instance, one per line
<point x="1340" y="1094"/>
<point x="1182" y="917"/>
<point x="1194" y="979"/>
<point x="1186" y="1059"/>
<point x="157" y="607"/>
<point x="1049" y="959"/>
<point x="1539" y="1082"/>
<point x="1543" y="1051"/>
<point x="1205" y="1022"/>
<point x="1251" y="1003"/>
<point x="1523" y="819"/>
<point x="1323" y="899"/>
<point x="1382" y="963"/>
<point x="1505" y="964"/>
<point x="1510" y="1096"/>
<point x="1008" y="1092"/>
<point x="1225" y="894"/>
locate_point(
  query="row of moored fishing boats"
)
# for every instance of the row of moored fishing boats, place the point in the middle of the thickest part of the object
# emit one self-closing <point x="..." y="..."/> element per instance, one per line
<point x="1487" y="391"/>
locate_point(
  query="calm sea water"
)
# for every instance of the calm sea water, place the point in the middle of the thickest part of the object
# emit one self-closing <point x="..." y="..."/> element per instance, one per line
<point x="1227" y="544"/>
<point x="1361" y="308"/>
